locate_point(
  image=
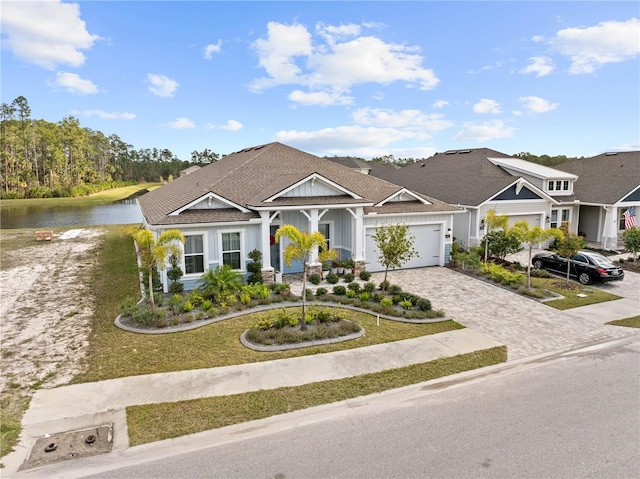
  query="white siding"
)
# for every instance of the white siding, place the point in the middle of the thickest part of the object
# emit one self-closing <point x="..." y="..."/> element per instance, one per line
<point x="313" y="188"/>
<point x="208" y="205"/>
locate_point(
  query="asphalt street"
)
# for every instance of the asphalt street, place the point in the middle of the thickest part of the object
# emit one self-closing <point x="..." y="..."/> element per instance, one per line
<point x="568" y="415"/>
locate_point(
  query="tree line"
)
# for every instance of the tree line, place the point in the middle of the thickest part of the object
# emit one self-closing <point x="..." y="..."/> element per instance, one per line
<point x="42" y="159"/>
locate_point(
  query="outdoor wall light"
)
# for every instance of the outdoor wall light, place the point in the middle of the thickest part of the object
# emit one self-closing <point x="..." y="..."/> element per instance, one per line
<point x="481" y="224"/>
<point x="448" y="235"/>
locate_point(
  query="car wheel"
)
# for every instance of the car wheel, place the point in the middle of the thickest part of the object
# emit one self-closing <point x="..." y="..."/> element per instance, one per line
<point x="537" y="264"/>
<point x="584" y="278"/>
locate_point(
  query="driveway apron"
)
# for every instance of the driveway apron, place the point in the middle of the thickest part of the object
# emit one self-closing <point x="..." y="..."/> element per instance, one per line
<point x="526" y="326"/>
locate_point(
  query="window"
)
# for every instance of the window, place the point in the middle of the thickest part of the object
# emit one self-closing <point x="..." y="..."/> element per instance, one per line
<point x="565" y="215"/>
<point x="554" y="219"/>
<point x="326" y="232"/>
<point x="194" y="254"/>
<point x="558" y="185"/>
<point x="231" y="253"/>
<point x="551" y="183"/>
<point x="565" y="185"/>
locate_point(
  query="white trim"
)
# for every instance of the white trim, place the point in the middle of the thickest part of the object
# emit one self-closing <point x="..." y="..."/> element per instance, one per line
<point x="243" y="248"/>
<point x="206" y="197"/>
<point x="332" y="206"/>
<point x="401" y="192"/>
<point x="312" y="178"/>
<point x="526" y="183"/>
<point x="205" y="253"/>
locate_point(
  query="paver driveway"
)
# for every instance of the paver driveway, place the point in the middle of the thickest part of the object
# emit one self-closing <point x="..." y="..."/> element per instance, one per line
<point x="526" y="326"/>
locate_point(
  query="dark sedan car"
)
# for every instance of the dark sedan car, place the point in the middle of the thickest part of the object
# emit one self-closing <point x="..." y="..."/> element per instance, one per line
<point x="586" y="266"/>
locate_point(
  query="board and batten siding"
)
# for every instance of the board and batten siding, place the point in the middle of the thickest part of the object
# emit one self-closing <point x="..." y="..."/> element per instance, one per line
<point x="312" y="188"/>
<point x="516" y="208"/>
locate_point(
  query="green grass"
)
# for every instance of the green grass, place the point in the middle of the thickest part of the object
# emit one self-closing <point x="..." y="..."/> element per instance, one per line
<point x="633" y="322"/>
<point x="570" y="289"/>
<point x="154" y="422"/>
<point x="115" y="353"/>
<point x="106" y="196"/>
<point x="12" y="408"/>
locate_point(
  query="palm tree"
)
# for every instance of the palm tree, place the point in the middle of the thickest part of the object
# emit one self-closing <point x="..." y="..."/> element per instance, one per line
<point x="526" y="234"/>
<point x="153" y="252"/>
<point x="221" y="284"/>
<point x="300" y="247"/>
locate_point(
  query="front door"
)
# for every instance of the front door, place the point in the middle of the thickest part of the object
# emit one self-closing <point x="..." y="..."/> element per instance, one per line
<point x="275" y="248"/>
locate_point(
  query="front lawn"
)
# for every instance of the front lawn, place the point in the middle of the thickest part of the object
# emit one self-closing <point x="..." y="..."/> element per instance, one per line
<point x="570" y="290"/>
<point x="633" y="322"/>
<point x="154" y="422"/>
<point x="115" y="353"/>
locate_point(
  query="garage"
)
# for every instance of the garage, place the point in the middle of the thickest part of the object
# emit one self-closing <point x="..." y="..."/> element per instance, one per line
<point x="533" y="220"/>
<point x="428" y="239"/>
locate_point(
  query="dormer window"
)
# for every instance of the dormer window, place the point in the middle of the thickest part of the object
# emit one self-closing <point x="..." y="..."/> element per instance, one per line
<point x="551" y="183"/>
<point x="565" y="185"/>
<point x="559" y="185"/>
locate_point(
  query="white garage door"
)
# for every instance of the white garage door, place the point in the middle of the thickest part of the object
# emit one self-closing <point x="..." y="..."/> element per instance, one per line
<point x="533" y="220"/>
<point x="427" y="244"/>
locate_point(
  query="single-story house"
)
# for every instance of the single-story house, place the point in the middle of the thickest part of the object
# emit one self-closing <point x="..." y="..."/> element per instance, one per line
<point x="480" y="180"/>
<point x="235" y="205"/>
<point x="607" y="186"/>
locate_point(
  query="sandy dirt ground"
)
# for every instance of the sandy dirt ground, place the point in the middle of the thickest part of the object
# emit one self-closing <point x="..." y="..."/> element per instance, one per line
<point x="46" y="305"/>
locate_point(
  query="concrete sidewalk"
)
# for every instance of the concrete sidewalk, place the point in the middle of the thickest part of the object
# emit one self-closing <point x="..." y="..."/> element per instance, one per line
<point x="86" y="405"/>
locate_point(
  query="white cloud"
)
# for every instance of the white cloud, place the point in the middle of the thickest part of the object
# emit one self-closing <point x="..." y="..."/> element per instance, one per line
<point x="440" y="104"/>
<point x="321" y="98"/>
<point x="345" y="137"/>
<point x="232" y="125"/>
<point x="536" y="104"/>
<point x="47" y="34"/>
<point x="591" y="47"/>
<point x="109" y="116"/>
<point x="162" y="85"/>
<point x="413" y="120"/>
<point x="490" y="130"/>
<point x="486" y="105"/>
<point x="541" y="66"/>
<point x="74" y="84"/>
<point x="181" y="123"/>
<point x="212" y="48"/>
<point x="290" y="55"/>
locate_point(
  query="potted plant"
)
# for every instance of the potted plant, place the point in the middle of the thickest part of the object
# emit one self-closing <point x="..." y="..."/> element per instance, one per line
<point x="340" y="267"/>
<point x="334" y="267"/>
<point x="326" y="268"/>
<point x="349" y="265"/>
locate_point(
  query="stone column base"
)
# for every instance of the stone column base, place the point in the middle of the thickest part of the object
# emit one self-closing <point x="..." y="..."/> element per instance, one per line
<point x="268" y="276"/>
<point x="314" y="268"/>
<point x="361" y="265"/>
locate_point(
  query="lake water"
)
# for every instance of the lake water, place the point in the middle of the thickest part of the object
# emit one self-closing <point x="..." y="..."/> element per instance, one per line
<point x="125" y="212"/>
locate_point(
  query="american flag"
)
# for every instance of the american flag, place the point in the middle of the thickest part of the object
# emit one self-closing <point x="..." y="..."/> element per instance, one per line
<point x="629" y="218"/>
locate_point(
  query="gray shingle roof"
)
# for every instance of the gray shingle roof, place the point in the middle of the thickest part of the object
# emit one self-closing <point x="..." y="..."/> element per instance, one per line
<point x="350" y="162"/>
<point x="606" y="178"/>
<point x="250" y="176"/>
<point x="463" y="177"/>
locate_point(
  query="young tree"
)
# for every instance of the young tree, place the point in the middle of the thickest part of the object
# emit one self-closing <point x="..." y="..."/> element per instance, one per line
<point x="500" y="244"/>
<point x="526" y="234"/>
<point x="493" y="221"/>
<point x="395" y="246"/>
<point x="569" y="246"/>
<point x="631" y="240"/>
<point x="152" y="253"/>
<point x="300" y="248"/>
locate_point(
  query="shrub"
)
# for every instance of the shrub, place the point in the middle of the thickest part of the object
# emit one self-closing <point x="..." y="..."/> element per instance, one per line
<point x="397" y="298"/>
<point x="384" y="285"/>
<point x="207" y="304"/>
<point x="354" y="287"/>
<point x="332" y="278"/>
<point x="310" y="293"/>
<point x="245" y="297"/>
<point x="351" y="293"/>
<point x="176" y="287"/>
<point x="314" y="279"/>
<point x="143" y="315"/>
<point x="348" y="277"/>
<point x="394" y="289"/>
<point x="406" y="304"/>
<point x="364" y="296"/>
<point x="176" y="303"/>
<point x="187" y="306"/>
<point x="128" y="306"/>
<point x="385" y="302"/>
<point x="540" y="273"/>
<point x="502" y="275"/>
<point x="423" y="304"/>
<point x="321" y="292"/>
<point x="196" y="298"/>
<point x="255" y="267"/>
<point x="377" y="297"/>
<point x="365" y="275"/>
<point x="369" y="287"/>
<point x="339" y="290"/>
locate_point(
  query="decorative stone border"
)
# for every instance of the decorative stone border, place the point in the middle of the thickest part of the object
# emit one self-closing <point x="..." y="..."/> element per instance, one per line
<point x="267" y="307"/>
<point x="306" y="344"/>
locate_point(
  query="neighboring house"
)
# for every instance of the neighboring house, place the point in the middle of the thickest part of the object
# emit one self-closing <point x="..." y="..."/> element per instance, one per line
<point x="189" y="170"/>
<point x="353" y="163"/>
<point x="607" y="186"/>
<point x="235" y="205"/>
<point x="480" y="180"/>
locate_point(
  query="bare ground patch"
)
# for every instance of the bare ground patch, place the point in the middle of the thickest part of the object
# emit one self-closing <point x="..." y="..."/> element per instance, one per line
<point x="47" y="303"/>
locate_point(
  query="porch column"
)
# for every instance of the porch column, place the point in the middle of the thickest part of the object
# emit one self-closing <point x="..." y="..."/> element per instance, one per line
<point x="359" y="234"/>
<point x="265" y="246"/>
<point x="313" y="227"/>
<point x="610" y="229"/>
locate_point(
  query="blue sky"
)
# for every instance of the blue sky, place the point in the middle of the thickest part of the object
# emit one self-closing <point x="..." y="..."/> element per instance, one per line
<point x="359" y="79"/>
